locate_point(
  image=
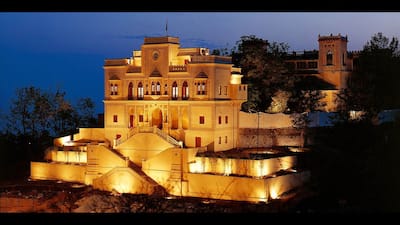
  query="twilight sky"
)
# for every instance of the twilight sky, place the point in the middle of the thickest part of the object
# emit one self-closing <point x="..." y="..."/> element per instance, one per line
<point x="66" y="50"/>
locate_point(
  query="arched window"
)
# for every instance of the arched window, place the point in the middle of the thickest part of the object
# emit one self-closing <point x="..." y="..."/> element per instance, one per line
<point x="140" y="91"/>
<point x="112" y="89"/>
<point x="158" y="88"/>
<point x="130" y="91"/>
<point x="115" y="89"/>
<point x="198" y="88"/>
<point x="174" y="90"/>
<point x="329" y="58"/>
<point x="153" y="88"/>
<point x="185" y="90"/>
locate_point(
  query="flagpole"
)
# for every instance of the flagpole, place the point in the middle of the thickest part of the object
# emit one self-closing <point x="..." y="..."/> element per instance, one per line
<point x="166" y="27"/>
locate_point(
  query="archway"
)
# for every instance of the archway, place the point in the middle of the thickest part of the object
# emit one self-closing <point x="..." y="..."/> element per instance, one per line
<point x="156" y="118"/>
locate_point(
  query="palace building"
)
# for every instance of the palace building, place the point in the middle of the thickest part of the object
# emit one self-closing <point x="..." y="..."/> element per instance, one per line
<point x="173" y="126"/>
<point x="184" y="93"/>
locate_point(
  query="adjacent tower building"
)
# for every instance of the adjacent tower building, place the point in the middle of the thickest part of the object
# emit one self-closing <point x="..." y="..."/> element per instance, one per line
<point x="334" y="65"/>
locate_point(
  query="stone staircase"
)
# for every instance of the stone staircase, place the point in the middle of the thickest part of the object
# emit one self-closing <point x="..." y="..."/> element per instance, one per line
<point x="158" y="189"/>
<point x="154" y="130"/>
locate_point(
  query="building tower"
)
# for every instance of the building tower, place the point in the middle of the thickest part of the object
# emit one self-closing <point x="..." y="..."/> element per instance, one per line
<point x="333" y="62"/>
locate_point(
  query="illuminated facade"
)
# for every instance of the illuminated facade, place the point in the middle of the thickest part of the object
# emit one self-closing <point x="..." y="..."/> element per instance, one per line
<point x="173" y="126"/>
<point x="184" y="93"/>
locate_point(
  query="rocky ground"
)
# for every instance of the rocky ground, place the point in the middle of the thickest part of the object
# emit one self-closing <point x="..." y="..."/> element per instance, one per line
<point x="63" y="197"/>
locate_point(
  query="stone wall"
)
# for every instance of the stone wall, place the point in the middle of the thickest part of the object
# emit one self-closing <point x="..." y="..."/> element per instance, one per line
<point x="264" y="120"/>
<point x="253" y="138"/>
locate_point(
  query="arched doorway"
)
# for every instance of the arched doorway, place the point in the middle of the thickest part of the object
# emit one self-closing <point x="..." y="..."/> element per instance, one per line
<point x="156" y="118"/>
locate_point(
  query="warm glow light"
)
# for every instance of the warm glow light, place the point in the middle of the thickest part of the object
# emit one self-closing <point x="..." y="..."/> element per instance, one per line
<point x="65" y="141"/>
<point x="170" y="197"/>
<point x="228" y="167"/>
<point x="262" y="197"/>
<point x="196" y="167"/>
<point x="236" y="79"/>
<point x="123" y="183"/>
<point x="356" y="115"/>
<point x="273" y="192"/>
<point x="262" y="168"/>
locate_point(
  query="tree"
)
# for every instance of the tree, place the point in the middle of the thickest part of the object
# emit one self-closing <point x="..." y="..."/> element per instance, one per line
<point x="37" y="116"/>
<point x="23" y="119"/>
<point x="85" y="110"/>
<point x="306" y="100"/>
<point x="264" y="70"/>
<point x="279" y="102"/>
<point x="373" y="86"/>
<point x="64" y="115"/>
<point x="220" y="51"/>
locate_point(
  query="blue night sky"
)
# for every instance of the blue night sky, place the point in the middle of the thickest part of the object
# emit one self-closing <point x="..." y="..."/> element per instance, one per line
<point x="67" y="50"/>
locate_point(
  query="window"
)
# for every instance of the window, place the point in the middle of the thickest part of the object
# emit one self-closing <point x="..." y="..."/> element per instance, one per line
<point x="153" y="88"/>
<point x="329" y="58"/>
<point x="140" y="91"/>
<point x="225" y="90"/>
<point x="312" y="65"/>
<point x="201" y="120"/>
<point x="114" y="89"/>
<point x="201" y="88"/>
<point x="130" y="91"/>
<point x="166" y="89"/>
<point x="301" y="65"/>
<point x="185" y="90"/>
<point x="115" y="119"/>
<point x="219" y="140"/>
<point x="174" y="90"/>
<point x="226" y="139"/>
<point x="158" y="88"/>
<point x="219" y="120"/>
<point x="198" y="88"/>
<point x="343" y="60"/>
<point x="147" y="89"/>
<point x="140" y="118"/>
<point x="219" y="90"/>
<point x="131" y="119"/>
<point x="226" y="119"/>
